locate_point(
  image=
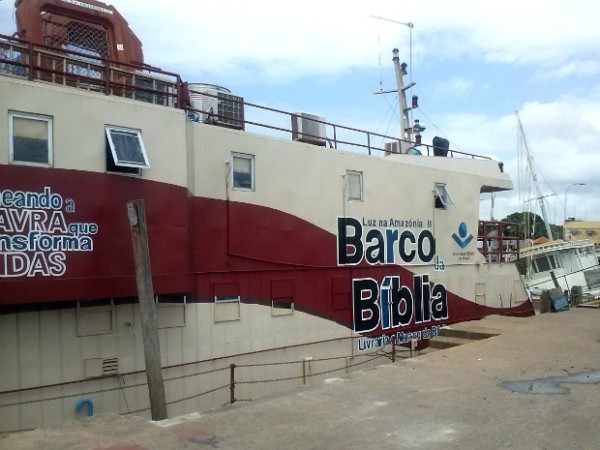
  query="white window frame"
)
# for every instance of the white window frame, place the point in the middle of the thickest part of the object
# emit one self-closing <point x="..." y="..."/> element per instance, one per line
<point x="170" y="310"/>
<point x="277" y="308"/>
<point x="138" y="133"/>
<point x="227" y="308"/>
<point x="548" y="261"/>
<point x="249" y="157"/>
<point x="38" y="117"/>
<point x="227" y="299"/>
<point x="441" y="192"/>
<point x="349" y="175"/>
<point x="170" y="299"/>
<point x="90" y="313"/>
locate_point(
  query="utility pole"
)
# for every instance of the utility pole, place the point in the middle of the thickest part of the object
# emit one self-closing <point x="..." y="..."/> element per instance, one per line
<point x="567" y="190"/>
<point x="143" y="274"/>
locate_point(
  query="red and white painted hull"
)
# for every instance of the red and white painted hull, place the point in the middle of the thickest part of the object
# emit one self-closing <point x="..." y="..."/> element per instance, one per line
<point x="67" y="277"/>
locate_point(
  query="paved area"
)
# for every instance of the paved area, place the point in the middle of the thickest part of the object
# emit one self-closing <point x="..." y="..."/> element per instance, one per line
<point x="459" y="398"/>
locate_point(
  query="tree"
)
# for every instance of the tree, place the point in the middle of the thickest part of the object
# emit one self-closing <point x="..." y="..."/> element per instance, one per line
<point x="558" y="231"/>
<point x="531" y="225"/>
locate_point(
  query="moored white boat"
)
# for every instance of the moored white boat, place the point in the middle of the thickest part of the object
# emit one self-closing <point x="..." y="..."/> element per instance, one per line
<point x="562" y="264"/>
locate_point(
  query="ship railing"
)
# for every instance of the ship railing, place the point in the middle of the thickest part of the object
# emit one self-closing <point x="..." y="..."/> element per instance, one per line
<point x="90" y="72"/>
<point x="281" y="123"/>
<point x="498" y="241"/>
<point x="557" y="245"/>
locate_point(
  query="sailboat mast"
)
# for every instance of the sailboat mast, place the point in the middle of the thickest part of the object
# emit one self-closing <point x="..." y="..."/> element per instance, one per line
<point x="540" y="197"/>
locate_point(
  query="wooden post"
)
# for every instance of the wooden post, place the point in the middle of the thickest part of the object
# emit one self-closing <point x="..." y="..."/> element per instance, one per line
<point x="139" y="239"/>
<point x="232" y="383"/>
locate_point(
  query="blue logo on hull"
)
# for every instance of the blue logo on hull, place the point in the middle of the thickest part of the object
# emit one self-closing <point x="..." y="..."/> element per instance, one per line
<point x="462" y="239"/>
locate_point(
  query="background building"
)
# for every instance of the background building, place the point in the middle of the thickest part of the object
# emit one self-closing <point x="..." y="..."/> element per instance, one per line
<point x="579" y="229"/>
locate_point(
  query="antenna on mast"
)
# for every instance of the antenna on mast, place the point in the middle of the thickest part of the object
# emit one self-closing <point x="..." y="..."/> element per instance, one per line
<point x="406" y="118"/>
<point x="410" y="26"/>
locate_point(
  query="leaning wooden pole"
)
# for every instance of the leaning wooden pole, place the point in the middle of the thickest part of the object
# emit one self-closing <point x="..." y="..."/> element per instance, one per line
<point x="139" y="239"/>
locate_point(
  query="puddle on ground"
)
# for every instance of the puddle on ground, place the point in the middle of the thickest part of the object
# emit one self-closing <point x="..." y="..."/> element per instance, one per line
<point x="551" y="385"/>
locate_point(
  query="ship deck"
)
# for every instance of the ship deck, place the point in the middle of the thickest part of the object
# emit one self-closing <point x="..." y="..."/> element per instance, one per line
<point x="144" y="83"/>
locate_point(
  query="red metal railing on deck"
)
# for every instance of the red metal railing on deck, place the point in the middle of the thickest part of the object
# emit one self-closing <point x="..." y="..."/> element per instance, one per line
<point x="89" y="72"/>
<point x="498" y="241"/>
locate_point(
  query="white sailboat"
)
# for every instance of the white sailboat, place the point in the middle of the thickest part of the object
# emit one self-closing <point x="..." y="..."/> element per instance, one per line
<point x="557" y="263"/>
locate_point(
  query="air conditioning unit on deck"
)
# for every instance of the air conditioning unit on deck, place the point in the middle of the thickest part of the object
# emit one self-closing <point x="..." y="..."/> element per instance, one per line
<point x="217" y="105"/>
<point x="308" y="128"/>
<point x="392" y="147"/>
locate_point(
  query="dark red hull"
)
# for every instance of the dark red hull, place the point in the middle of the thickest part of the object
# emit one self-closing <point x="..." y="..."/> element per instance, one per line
<point x="199" y="247"/>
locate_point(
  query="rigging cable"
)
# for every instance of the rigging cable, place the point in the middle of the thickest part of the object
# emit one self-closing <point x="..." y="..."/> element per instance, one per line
<point x="440" y="131"/>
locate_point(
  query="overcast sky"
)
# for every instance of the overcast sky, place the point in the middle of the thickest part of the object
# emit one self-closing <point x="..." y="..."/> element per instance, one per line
<point x="475" y="64"/>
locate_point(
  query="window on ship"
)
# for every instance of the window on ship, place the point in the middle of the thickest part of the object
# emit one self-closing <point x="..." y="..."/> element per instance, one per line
<point x="545" y="263"/>
<point x="242" y="173"/>
<point x="126" y="152"/>
<point x="442" y="196"/>
<point x="30" y="140"/>
<point x="354" y="182"/>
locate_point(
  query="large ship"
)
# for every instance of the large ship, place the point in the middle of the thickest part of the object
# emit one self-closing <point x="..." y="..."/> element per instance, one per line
<point x="287" y="250"/>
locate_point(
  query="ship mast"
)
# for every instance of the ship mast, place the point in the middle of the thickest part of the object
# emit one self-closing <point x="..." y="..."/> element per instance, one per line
<point x="405" y="125"/>
<point x="536" y="184"/>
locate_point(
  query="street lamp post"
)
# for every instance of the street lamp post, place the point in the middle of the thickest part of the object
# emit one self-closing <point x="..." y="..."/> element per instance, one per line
<point x="567" y="190"/>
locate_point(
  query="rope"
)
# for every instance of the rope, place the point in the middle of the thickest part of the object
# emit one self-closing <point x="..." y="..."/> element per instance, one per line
<point x="121" y="382"/>
<point x="60" y="397"/>
<point x="198" y="395"/>
<point x="206" y="372"/>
